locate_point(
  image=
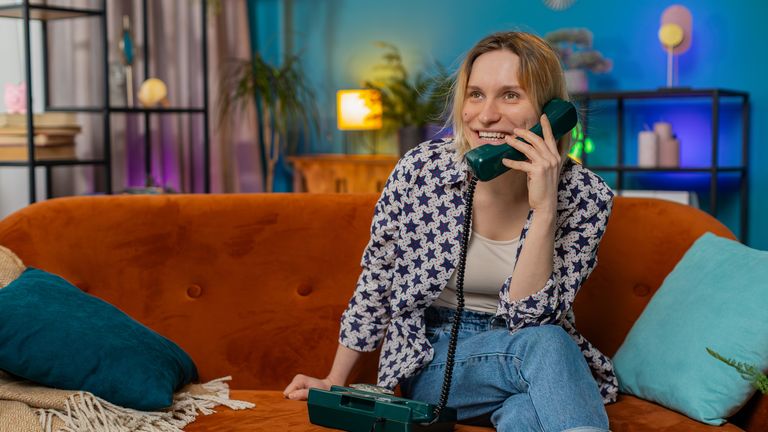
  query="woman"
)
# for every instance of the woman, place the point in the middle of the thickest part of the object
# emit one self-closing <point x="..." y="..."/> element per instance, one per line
<point x="520" y="363"/>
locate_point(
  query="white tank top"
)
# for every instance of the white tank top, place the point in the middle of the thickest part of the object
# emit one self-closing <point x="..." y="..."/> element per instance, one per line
<point x="489" y="264"/>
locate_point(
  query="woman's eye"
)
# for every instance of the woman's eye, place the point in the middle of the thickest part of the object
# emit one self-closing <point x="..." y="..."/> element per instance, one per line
<point x="475" y="95"/>
<point x="511" y="96"/>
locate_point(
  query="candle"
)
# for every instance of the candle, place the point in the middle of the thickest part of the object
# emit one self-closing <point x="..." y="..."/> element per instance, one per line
<point x="669" y="152"/>
<point x="647" y="149"/>
<point x="663" y="130"/>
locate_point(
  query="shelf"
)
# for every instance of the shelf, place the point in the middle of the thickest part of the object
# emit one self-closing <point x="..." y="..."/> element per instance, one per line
<point x="136" y="110"/>
<point x="714" y="179"/>
<point x="28" y="10"/>
<point x="45" y="13"/>
<point x="75" y="109"/>
<point x="159" y="110"/>
<point x="660" y="93"/>
<point x="54" y="162"/>
<point x="661" y="169"/>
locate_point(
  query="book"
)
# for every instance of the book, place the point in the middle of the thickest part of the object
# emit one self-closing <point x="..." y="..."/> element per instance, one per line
<point x="41" y="140"/>
<point x="15" y="130"/>
<point x="19" y="153"/>
<point x="49" y="119"/>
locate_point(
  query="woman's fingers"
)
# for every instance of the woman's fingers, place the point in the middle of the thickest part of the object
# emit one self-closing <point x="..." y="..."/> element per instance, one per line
<point x="295" y="384"/>
<point x="298" y="389"/>
<point x="300" y="395"/>
<point x="539" y="152"/>
<point x="518" y="165"/>
<point x="549" y="137"/>
<point x="524" y="148"/>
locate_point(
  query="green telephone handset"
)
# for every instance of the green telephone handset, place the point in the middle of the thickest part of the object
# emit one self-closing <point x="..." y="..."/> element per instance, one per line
<point x="485" y="161"/>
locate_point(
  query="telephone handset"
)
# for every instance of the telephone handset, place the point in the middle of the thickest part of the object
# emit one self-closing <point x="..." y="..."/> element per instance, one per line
<point x="369" y="409"/>
<point x="485" y="161"/>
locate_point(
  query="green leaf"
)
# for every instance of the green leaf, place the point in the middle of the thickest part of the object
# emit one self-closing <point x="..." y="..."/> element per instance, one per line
<point x="747" y="371"/>
<point x="283" y="92"/>
<point x="407" y="101"/>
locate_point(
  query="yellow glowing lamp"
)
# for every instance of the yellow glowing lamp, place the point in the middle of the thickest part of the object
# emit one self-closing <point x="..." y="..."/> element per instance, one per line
<point x="358" y="109"/>
<point x="153" y="92"/>
<point x="675" y="35"/>
<point x="670" y="35"/>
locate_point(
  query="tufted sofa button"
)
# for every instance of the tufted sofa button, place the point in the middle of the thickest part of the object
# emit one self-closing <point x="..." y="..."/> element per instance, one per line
<point x="641" y="290"/>
<point x="194" y="291"/>
<point x="304" y="290"/>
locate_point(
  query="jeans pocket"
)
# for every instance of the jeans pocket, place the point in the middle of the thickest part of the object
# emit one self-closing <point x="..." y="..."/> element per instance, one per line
<point x="433" y="334"/>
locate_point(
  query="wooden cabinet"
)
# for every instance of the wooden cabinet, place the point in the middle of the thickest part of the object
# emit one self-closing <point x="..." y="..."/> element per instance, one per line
<point x="340" y="173"/>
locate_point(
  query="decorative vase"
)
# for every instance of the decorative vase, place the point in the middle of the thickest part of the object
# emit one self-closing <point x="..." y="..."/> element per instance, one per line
<point x="669" y="153"/>
<point x="576" y="81"/>
<point x="16" y="98"/>
<point x="409" y="137"/>
<point x="669" y="146"/>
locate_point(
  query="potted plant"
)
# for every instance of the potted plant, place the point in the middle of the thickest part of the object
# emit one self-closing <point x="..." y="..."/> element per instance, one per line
<point x="286" y="107"/>
<point x="574" y="47"/>
<point x="748" y="372"/>
<point x="409" y="106"/>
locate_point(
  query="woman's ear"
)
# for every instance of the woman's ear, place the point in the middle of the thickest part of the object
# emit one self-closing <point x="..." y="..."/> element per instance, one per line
<point x="11" y="267"/>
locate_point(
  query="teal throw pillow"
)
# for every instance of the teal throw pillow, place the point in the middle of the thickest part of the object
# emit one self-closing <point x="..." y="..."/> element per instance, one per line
<point x="717" y="297"/>
<point x="54" y="334"/>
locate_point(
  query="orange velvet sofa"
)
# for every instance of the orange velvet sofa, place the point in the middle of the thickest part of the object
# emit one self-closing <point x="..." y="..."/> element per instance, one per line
<point x="253" y="285"/>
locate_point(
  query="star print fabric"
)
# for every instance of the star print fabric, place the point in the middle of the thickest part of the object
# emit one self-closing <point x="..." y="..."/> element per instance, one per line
<point x="415" y="247"/>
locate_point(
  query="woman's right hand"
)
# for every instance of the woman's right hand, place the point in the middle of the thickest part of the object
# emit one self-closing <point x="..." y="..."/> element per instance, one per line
<point x="298" y="389"/>
<point x="343" y="363"/>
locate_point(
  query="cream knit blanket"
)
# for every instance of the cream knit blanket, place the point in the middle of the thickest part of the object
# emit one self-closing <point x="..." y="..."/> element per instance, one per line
<point x="26" y="407"/>
<point x="11" y="266"/>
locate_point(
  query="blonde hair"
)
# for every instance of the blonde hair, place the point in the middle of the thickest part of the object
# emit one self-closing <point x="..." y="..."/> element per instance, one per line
<point x="540" y="75"/>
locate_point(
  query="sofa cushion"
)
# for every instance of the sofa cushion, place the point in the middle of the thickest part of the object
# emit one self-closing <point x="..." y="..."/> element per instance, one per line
<point x="56" y="335"/>
<point x="716" y="296"/>
<point x="274" y="412"/>
<point x="632" y="414"/>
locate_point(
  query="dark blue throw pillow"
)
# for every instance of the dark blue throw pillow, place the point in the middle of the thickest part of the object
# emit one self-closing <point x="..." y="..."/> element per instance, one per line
<point x="56" y="335"/>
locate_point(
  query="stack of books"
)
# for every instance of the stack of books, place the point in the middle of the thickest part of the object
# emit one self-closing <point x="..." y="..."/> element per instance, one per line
<point x="54" y="136"/>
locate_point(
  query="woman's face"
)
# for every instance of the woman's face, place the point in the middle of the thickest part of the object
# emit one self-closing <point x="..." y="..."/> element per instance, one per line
<point x="495" y="103"/>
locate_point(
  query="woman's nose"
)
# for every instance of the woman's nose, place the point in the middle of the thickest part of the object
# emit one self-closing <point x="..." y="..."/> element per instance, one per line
<point x="489" y="113"/>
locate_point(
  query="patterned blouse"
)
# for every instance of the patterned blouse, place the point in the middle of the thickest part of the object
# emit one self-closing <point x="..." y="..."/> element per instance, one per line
<point x="414" y="248"/>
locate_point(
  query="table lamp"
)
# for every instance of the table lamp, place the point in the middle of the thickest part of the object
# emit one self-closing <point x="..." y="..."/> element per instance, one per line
<point x="358" y="110"/>
<point x="675" y="35"/>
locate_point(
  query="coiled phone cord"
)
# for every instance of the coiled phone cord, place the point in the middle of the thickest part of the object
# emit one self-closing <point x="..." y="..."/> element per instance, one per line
<point x="459" y="302"/>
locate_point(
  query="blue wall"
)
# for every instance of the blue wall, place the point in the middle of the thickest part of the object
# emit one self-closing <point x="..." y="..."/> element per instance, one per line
<point x="335" y="40"/>
<point x="267" y="29"/>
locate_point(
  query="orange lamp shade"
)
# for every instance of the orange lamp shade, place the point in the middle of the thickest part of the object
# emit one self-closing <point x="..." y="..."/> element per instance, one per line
<point x="358" y="109"/>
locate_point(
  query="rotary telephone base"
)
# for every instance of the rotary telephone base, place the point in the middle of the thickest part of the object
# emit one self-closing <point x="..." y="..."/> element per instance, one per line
<point x="358" y="410"/>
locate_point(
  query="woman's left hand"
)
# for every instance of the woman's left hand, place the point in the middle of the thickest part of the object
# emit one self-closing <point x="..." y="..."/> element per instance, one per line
<point x="542" y="167"/>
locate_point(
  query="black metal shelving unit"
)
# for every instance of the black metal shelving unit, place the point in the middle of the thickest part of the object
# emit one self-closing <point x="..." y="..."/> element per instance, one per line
<point x="713" y="169"/>
<point x="28" y="11"/>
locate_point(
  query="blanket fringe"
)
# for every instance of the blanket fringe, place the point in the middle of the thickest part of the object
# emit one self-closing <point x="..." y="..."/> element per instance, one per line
<point x="87" y="413"/>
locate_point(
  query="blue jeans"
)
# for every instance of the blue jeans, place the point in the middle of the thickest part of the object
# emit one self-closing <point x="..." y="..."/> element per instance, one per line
<point x="535" y="379"/>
